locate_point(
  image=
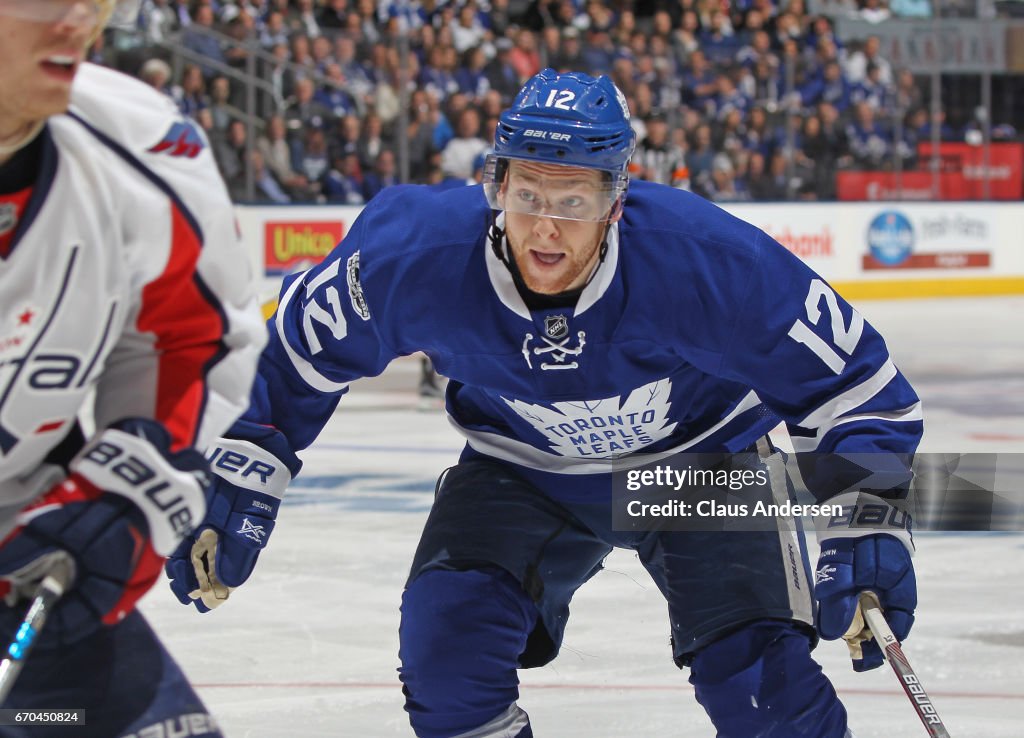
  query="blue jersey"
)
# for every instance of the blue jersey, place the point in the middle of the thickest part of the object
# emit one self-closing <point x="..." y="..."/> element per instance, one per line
<point x="698" y="332"/>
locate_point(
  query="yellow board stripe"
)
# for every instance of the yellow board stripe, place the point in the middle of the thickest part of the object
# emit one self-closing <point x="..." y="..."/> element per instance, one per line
<point x="268" y="308"/>
<point x="898" y="289"/>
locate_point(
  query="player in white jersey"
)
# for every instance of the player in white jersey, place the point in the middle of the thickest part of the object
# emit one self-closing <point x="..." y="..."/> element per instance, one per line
<point x="587" y="335"/>
<point x="122" y="281"/>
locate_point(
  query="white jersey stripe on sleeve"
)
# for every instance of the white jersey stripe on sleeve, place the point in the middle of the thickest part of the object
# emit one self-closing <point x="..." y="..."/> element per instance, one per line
<point x="852" y="398"/>
<point x="808" y="444"/>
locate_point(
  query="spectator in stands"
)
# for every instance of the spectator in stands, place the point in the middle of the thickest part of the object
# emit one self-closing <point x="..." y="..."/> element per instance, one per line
<point x="331" y="17"/>
<point x="467" y="30"/>
<point x="240" y="28"/>
<point x="420" y="135"/>
<point x="869" y="53"/>
<point x="304" y="108"/>
<point x="322" y="51"/>
<point x="344" y="183"/>
<point x="907" y="95"/>
<point x="722" y="185"/>
<point x="757" y="135"/>
<point x="301" y="56"/>
<point x="333" y="93"/>
<point x="829" y="86"/>
<point x="190" y="95"/>
<point x="874" y="11"/>
<point x="470" y="76"/>
<point x="221" y="112"/>
<point x="274" y="31"/>
<point x="818" y="158"/>
<point x="346" y="55"/>
<point x="764" y="83"/>
<point x="198" y="38"/>
<point x="157" y="74"/>
<point x="500" y="72"/>
<point x="457" y="157"/>
<point x="759" y="47"/>
<point x="700" y="83"/>
<point x="570" y="51"/>
<point x="834" y="132"/>
<point x="301" y="18"/>
<point x="370" y="142"/>
<point x="349" y="131"/>
<point x="266" y="188"/>
<point x="436" y="76"/>
<point x="701" y="153"/>
<point x="923" y="124"/>
<point x="874" y="91"/>
<point x="277" y="156"/>
<point x="729" y="97"/>
<point x="717" y="40"/>
<point x="230" y="150"/>
<point x="760" y="183"/>
<point x="384" y="174"/>
<point x="870" y="143"/>
<point x="158" y="20"/>
<point x="524" y="57"/>
<point x="310" y="158"/>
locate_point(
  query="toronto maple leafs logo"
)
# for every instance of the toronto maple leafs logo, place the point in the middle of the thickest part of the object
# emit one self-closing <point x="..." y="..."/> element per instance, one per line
<point x="606" y="428"/>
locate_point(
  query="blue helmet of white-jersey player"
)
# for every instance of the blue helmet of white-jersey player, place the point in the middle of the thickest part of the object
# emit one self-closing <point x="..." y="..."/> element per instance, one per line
<point x="570" y="119"/>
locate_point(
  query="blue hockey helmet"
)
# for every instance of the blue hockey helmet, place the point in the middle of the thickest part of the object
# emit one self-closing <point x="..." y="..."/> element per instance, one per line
<point x="571" y="119"/>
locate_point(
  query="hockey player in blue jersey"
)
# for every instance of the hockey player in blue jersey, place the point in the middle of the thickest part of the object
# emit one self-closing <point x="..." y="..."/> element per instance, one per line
<point x="579" y="328"/>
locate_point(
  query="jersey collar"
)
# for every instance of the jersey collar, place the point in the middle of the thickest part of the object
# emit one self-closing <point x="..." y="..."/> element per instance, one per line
<point x="505" y="288"/>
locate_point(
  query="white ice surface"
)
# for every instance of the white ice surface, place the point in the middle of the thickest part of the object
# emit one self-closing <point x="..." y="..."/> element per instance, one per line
<point x="308" y="648"/>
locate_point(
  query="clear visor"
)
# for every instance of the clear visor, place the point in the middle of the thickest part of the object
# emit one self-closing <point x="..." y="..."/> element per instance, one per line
<point x="52" y="11"/>
<point x="552" y="190"/>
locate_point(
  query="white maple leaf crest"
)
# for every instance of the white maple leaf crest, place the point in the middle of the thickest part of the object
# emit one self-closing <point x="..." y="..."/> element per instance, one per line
<point x="603" y="428"/>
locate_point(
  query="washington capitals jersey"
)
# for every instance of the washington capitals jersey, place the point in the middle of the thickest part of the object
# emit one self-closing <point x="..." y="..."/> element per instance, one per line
<point x="126" y="278"/>
<point x="697" y="332"/>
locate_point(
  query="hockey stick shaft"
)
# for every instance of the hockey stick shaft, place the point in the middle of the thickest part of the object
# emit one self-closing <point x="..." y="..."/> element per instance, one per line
<point x="50" y="590"/>
<point x="901" y="665"/>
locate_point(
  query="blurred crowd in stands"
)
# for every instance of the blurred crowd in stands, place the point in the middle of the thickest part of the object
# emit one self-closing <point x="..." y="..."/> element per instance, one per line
<point x="733" y="99"/>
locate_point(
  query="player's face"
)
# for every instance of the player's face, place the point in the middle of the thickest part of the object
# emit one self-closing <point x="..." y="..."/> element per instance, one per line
<point x="554" y="254"/>
<point x="42" y="44"/>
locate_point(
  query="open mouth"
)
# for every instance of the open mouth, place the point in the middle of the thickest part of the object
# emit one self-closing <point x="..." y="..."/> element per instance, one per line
<point x="546" y="258"/>
<point x="60" y="66"/>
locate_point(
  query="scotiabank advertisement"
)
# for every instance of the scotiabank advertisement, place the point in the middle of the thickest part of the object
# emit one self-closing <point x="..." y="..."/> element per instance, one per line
<point x="810" y="233"/>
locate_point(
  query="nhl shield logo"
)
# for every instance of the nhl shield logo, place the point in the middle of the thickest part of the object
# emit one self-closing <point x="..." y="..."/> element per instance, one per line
<point x="8" y="218"/>
<point x="556" y="326"/>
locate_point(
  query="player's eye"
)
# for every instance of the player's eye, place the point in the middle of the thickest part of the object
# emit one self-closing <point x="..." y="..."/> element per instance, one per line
<point x="527" y="197"/>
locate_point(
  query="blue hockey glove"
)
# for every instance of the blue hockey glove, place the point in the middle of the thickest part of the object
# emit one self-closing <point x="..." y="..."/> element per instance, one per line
<point x="127" y="502"/>
<point x="222" y="553"/>
<point x="868" y="547"/>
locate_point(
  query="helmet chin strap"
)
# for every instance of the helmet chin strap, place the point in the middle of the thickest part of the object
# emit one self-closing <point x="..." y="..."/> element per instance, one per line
<point x="6" y="149"/>
<point x="503" y="250"/>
